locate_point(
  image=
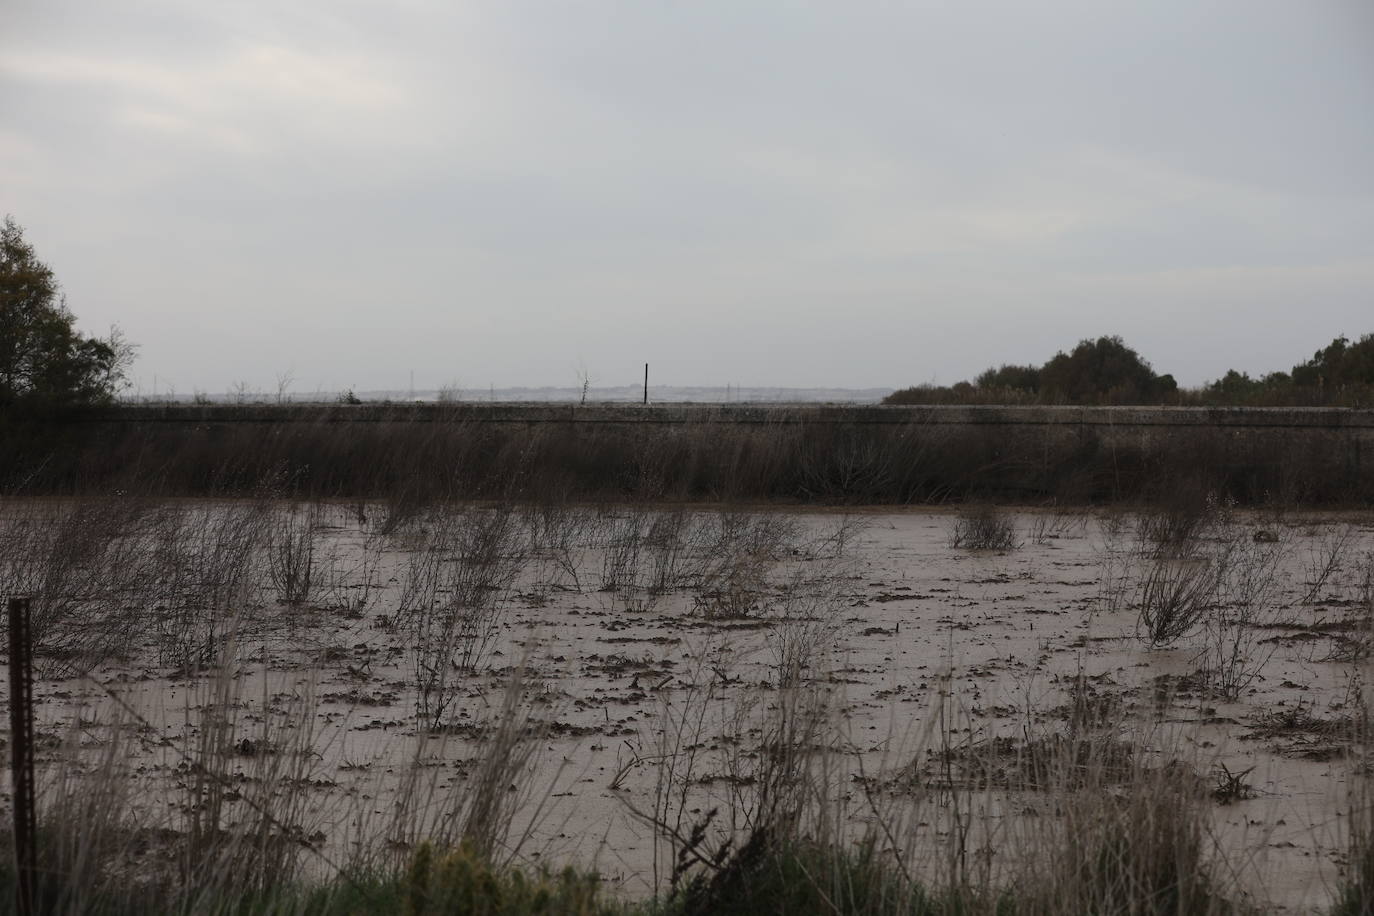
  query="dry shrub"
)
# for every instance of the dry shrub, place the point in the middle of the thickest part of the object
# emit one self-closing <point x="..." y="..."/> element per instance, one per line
<point x="1247" y="597"/>
<point x="1226" y="587"/>
<point x="85" y="565"/>
<point x="456" y="592"/>
<point x="1175" y="595"/>
<point x="624" y="537"/>
<point x="984" y="527"/>
<point x="1122" y="825"/>
<point x="107" y="847"/>
<point x="87" y="840"/>
<point x="291" y="553"/>
<point x="1325" y="557"/>
<point x="502" y="787"/>
<point x="242" y="827"/>
<point x="352" y="584"/>
<point x="772" y="764"/>
<point x="1187" y="514"/>
<point x="207" y="563"/>
<point x="1355" y="893"/>
<point x="264" y="769"/>
<point x="734" y="586"/>
<point x="413" y="455"/>
<point x="1142" y="850"/>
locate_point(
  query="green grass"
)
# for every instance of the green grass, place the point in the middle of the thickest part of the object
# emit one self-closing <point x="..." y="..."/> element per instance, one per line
<point x="798" y="878"/>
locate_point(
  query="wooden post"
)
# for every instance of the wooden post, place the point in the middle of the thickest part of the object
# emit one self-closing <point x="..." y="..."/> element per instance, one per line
<point x="646" y="383"/>
<point x="21" y="754"/>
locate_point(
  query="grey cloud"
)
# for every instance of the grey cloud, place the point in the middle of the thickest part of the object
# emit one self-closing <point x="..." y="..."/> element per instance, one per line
<point x="758" y="192"/>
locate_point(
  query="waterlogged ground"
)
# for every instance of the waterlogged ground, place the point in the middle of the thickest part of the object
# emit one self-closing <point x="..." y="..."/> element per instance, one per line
<point x="655" y="652"/>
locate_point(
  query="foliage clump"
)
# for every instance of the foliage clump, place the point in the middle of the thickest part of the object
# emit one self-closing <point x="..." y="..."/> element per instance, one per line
<point x="44" y="361"/>
<point x="1101" y="371"/>
<point x="463" y="881"/>
<point x="1341" y="374"/>
<point x="1104" y="371"/>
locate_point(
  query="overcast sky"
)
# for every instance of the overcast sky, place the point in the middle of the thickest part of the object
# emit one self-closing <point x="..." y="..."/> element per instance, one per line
<point x="745" y="192"/>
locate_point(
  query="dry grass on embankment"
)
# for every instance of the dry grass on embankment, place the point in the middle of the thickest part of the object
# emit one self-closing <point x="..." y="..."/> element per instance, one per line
<point x="790" y="455"/>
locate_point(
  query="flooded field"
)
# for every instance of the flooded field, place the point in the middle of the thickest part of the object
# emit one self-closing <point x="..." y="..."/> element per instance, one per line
<point x="632" y="689"/>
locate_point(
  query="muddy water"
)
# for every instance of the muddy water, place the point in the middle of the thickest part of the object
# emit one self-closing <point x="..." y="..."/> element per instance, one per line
<point x="654" y="674"/>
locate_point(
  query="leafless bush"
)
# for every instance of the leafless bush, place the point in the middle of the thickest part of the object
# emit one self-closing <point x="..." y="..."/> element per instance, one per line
<point x="1175" y="594"/>
<point x="676" y="759"/>
<point x="1357" y="643"/>
<point x="738" y="553"/>
<point x="86" y="827"/>
<point x="238" y="823"/>
<point x="670" y="540"/>
<point x="769" y="761"/>
<point x="724" y="557"/>
<point x="806" y="616"/>
<point x="352" y="582"/>
<point x="555" y="531"/>
<point x="1113" y="526"/>
<point x="1188" y="515"/>
<point x="984" y="527"/>
<point x="849" y="465"/>
<point x="84" y="565"/>
<point x="831" y="542"/>
<point x="455" y="598"/>
<point x="1114" y="578"/>
<point x="733" y="587"/>
<point x="1056" y="522"/>
<point x="291" y="553"/>
<point x="206" y="560"/>
<point x="256" y="842"/>
<point x="1355" y="894"/>
<point x="1324" y="558"/>
<point x="752" y="532"/>
<point x="503" y="784"/>
<point x="1246" y="597"/>
<point x="1367" y="585"/>
<point x="624" y="536"/>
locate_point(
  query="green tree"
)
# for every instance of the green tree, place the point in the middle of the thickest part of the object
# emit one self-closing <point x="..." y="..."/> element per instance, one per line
<point x="1236" y="385"/>
<point x="1103" y="371"/>
<point x="1339" y="364"/>
<point x="44" y="361"/>
<point x="1015" y="378"/>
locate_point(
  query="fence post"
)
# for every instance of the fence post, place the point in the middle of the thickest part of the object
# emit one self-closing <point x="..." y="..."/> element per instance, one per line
<point x="21" y="753"/>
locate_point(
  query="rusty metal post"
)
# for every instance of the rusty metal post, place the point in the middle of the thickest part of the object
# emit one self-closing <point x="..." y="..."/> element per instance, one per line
<point x="21" y="754"/>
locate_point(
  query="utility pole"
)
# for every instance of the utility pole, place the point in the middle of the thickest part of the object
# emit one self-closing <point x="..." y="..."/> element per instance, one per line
<point x="646" y="383"/>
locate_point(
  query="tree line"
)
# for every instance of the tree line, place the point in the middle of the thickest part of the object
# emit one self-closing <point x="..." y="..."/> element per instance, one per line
<point x="1106" y="371"/>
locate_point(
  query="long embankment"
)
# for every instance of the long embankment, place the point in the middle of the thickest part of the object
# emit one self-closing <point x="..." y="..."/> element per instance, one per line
<point x="790" y="453"/>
